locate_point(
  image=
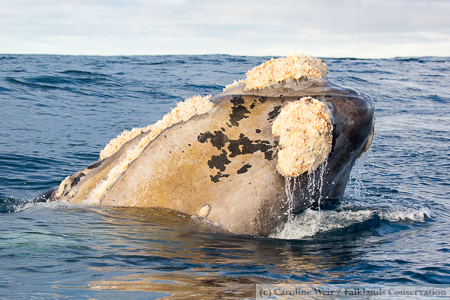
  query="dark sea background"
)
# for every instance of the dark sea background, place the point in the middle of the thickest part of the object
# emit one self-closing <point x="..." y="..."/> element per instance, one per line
<point x="58" y="112"/>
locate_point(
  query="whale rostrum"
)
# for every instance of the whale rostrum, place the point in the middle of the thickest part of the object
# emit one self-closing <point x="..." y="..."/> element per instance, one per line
<point x="280" y="141"/>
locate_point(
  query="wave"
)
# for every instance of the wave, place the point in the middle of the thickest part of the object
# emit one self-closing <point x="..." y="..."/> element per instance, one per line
<point x="70" y="77"/>
<point x="12" y="205"/>
<point x="339" y="222"/>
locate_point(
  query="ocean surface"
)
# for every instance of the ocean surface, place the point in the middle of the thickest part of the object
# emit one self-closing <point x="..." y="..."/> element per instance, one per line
<point x="58" y="112"/>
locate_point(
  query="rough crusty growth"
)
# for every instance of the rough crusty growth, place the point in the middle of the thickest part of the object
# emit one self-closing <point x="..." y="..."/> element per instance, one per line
<point x="277" y="70"/>
<point x="117" y="142"/>
<point x="61" y="187"/>
<point x="305" y="132"/>
<point x="185" y="110"/>
<point x="235" y="83"/>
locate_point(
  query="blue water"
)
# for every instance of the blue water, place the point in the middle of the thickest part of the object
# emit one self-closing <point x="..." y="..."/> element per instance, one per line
<point x="58" y="112"/>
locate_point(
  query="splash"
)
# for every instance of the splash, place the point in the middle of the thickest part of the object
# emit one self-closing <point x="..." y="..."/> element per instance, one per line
<point x="313" y="193"/>
<point x="315" y="185"/>
<point x="355" y="185"/>
<point x="399" y="214"/>
<point x="12" y="205"/>
<point x="289" y="188"/>
<point x="358" y="209"/>
<point x="312" y="222"/>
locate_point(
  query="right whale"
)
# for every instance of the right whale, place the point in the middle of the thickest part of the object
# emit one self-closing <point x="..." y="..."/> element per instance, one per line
<point x="283" y="140"/>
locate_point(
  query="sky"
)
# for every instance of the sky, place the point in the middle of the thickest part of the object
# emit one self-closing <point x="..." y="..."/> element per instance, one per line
<point x="323" y="28"/>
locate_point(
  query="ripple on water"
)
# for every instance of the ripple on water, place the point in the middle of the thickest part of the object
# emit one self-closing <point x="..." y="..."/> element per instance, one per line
<point x="391" y="227"/>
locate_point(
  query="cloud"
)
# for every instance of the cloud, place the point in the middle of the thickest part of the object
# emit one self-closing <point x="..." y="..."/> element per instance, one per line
<point x="253" y="27"/>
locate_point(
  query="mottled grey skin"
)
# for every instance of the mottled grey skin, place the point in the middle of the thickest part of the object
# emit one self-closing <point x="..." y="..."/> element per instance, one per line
<point x="227" y="159"/>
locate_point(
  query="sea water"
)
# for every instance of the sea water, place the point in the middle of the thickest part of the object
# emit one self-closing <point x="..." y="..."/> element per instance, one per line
<point x="58" y="112"/>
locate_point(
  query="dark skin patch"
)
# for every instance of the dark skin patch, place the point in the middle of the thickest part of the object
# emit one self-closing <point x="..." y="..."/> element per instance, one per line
<point x="268" y="155"/>
<point x="244" y="169"/>
<point x="218" y="139"/>
<point x="95" y="165"/>
<point x="77" y="179"/>
<point x="219" y="161"/>
<point x="219" y="175"/>
<point x="237" y="100"/>
<point x="246" y="146"/>
<point x="241" y="146"/>
<point x="238" y="111"/>
<point x="274" y="113"/>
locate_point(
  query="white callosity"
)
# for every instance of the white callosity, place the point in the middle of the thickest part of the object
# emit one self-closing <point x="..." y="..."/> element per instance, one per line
<point x="117" y="142"/>
<point x="184" y="111"/>
<point x="62" y="187"/>
<point x="235" y="83"/>
<point x="305" y="131"/>
<point x="277" y="70"/>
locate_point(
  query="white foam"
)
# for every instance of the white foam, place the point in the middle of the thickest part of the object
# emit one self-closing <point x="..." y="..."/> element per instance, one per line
<point x="22" y="207"/>
<point x="311" y="222"/>
<point x="19" y="207"/>
<point x="406" y="214"/>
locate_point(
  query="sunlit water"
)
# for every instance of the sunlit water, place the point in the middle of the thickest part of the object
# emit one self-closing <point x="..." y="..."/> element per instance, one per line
<point x="58" y="112"/>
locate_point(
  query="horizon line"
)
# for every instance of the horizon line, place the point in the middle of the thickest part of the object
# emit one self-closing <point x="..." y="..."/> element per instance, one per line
<point x="222" y="54"/>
